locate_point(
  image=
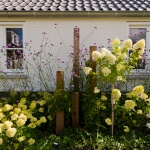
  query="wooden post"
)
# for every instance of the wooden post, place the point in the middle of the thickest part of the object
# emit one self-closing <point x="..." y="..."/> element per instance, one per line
<point x="75" y="114"/>
<point x="93" y="66"/>
<point x="76" y="60"/>
<point x="60" y="80"/>
<point x="59" y="114"/>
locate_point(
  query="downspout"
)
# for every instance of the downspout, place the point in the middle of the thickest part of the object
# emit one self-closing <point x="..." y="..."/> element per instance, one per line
<point x="52" y="14"/>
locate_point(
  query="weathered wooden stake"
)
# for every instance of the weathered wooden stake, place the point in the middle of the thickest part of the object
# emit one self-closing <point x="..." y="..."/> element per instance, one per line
<point x="75" y="114"/>
<point x="93" y="65"/>
<point x="76" y="60"/>
<point x="60" y="80"/>
<point x="59" y="114"/>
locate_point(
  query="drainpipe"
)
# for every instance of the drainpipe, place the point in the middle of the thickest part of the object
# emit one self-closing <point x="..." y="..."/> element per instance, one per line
<point x="65" y="14"/>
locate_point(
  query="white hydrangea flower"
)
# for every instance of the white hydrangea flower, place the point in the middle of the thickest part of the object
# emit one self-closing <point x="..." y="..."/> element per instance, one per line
<point x="115" y="42"/>
<point x="104" y="52"/>
<point x="139" y="45"/>
<point x="108" y="121"/>
<point x="129" y="104"/>
<point x="139" y="112"/>
<point x="119" y="66"/>
<point x="106" y="71"/>
<point x="126" y="129"/>
<point x="138" y="90"/>
<point x="148" y="115"/>
<point x="11" y="132"/>
<point x="96" y="90"/>
<point x="148" y="125"/>
<point x="87" y="70"/>
<point x="127" y="44"/>
<point x="119" y="78"/>
<point x="96" y="55"/>
<point x="111" y="58"/>
<point x="116" y="94"/>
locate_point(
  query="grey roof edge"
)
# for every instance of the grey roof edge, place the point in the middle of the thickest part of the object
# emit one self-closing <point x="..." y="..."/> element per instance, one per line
<point x="63" y="14"/>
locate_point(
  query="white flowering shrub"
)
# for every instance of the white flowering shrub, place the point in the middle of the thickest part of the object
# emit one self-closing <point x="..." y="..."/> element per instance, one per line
<point x="131" y="111"/>
<point x="19" y="120"/>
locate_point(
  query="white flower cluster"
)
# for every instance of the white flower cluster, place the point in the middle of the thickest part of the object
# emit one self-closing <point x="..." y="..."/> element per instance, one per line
<point x="15" y="116"/>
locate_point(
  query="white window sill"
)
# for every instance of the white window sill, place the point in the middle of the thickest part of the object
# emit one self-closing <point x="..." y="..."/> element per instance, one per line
<point x="13" y="76"/>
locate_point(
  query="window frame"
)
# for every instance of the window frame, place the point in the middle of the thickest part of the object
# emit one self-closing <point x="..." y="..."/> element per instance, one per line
<point x="3" y="45"/>
<point x="147" y="46"/>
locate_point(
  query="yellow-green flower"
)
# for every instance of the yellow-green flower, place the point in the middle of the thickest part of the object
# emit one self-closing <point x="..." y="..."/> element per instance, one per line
<point x="144" y="96"/>
<point x="115" y="42"/>
<point x="148" y="125"/>
<point x="41" y="109"/>
<point x="1" y="141"/>
<point x="139" y="45"/>
<point x="119" y="78"/>
<point x="138" y="90"/>
<point x="96" y="90"/>
<point x="7" y="107"/>
<point x="42" y="102"/>
<point x="20" y="105"/>
<point x="20" y="122"/>
<point x="2" y="116"/>
<point x="22" y="138"/>
<point x="24" y="107"/>
<point x="22" y="116"/>
<point x="38" y="122"/>
<point x="127" y="44"/>
<point x="43" y="119"/>
<point x="14" y="117"/>
<point x="23" y="100"/>
<point x="29" y="115"/>
<point x="129" y="104"/>
<point x="139" y="112"/>
<point x="1" y="110"/>
<point x="17" y="110"/>
<point x="108" y="121"/>
<point x="31" y="141"/>
<point x="111" y="59"/>
<point x="32" y="125"/>
<point x="87" y="70"/>
<point x="32" y="105"/>
<point x="11" y="132"/>
<point x="104" y="52"/>
<point x="33" y="119"/>
<point x="126" y="129"/>
<point x="49" y="117"/>
<point x="7" y="124"/>
<point x="106" y="71"/>
<point x="96" y="55"/>
<point x="119" y="66"/>
<point x="103" y="97"/>
<point x="116" y="94"/>
<point x="148" y="115"/>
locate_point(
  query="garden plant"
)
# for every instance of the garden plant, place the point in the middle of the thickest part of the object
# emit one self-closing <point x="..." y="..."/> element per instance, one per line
<point x="112" y="120"/>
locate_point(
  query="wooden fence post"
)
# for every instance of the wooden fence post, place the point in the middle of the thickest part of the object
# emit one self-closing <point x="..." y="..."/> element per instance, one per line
<point x="75" y="114"/>
<point x="93" y="66"/>
<point x="76" y="60"/>
<point x="59" y="114"/>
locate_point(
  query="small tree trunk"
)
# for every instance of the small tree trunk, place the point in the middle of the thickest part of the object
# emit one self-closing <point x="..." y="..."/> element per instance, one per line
<point x="112" y="111"/>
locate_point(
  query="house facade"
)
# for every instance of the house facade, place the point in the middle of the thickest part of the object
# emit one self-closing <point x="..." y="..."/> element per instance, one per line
<point x="37" y="37"/>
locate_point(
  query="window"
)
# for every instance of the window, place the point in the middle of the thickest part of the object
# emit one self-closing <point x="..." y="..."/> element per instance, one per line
<point x="137" y="33"/>
<point x="12" y="48"/>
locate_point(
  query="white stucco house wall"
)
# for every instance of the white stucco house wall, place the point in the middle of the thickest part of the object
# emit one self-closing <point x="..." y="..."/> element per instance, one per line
<point x="44" y="30"/>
